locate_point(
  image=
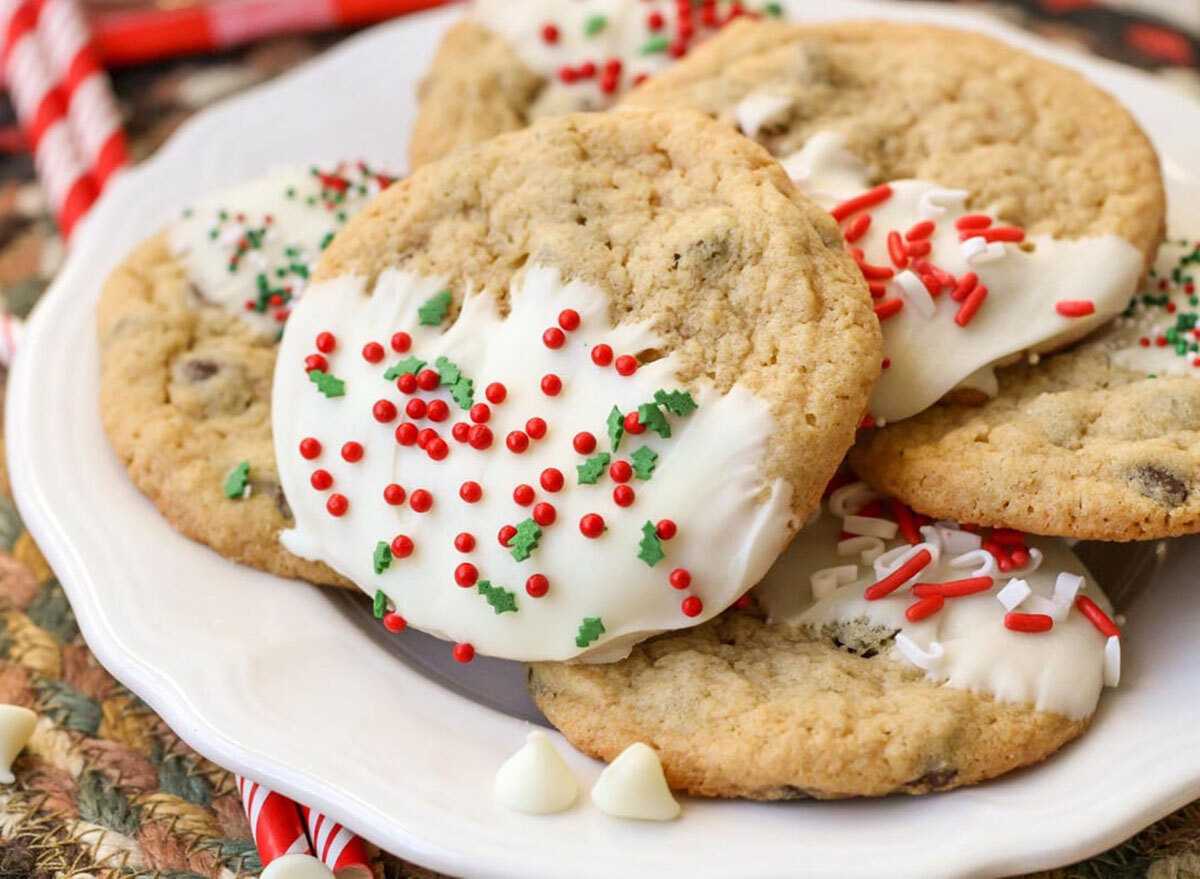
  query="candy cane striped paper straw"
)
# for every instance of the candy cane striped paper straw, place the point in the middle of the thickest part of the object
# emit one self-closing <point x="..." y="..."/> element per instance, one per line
<point x="274" y="822"/>
<point x="340" y="850"/>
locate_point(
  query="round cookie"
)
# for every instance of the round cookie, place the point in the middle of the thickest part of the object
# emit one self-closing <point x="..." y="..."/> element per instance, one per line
<point x="819" y="690"/>
<point x="188" y="327"/>
<point x="583" y="383"/>
<point x="507" y="64"/>
<point x="1084" y="444"/>
<point x="997" y="203"/>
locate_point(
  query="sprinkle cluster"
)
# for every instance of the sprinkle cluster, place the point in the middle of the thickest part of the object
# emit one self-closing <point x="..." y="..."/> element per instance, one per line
<point x="1167" y="308"/>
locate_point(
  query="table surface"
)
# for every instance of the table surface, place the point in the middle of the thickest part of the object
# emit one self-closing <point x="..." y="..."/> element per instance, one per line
<point x="105" y="787"/>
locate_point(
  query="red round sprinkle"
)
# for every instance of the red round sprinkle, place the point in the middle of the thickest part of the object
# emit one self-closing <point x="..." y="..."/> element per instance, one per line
<point x="536" y="428"/>
<point x="315" y="361"/>
<point x="464" y="652"/>
<point x="550" y="33"/>
<point x="460" y="431"/>
<point x="495" y="393"/>
<point x="680" y="578"/>
<point x="393" y="622"/>
<point x="742" y="603"/>
<point x="552" y="479"/>
<point x="337" y="505"/>
<point x="517" y="442"/>
<point x="394" y="494"/>
<point x="437" y="449"/>
<point x="568" y="319"/>
<point x="626" y="364"/>
<point x="384" y="411"/>
<point x="692" y="606"/>
<point x="321" y="480"/>
<point x="566" y="74"/>
<point x="545" y="514"/>
<point x="523" y="495"/>
<point x="665" y="529"/>
<point x="421" y="501"/>
<point x="585" y="443"/>
<point x="480" y="436"/>
<point x="310" y="447"/>
<point x="624" y="495"/>
<point x="602" y="355"/>
<point x="551" y="385"/>
<point x="654" y="21"/>
<point x="425" y="437"/>
<point x="592" y="525"/>
<point x="401" y="342"/>
<point x="372" y="352"/>
<point x="553" y="338"/>
<point x="507" y="533"/>
<point x="587" y="69"/>
<point x="407" y="383"/>
<point x="633" y="425"/>
<point x="352" y="451"/>
<point x="427" y="380"/>
<point x="437" y="410"/>
<point x="326" y="342"/>
<point x="620" y="471"/>
<point x="480" y="413"/>
<point x="466" y="574"/>
<point x="537" y="585"/>
<point x="470" y="492"/>
<point x="402" y="546"/>
<point x="406" y="433"/>
<point x="464" y="542"/>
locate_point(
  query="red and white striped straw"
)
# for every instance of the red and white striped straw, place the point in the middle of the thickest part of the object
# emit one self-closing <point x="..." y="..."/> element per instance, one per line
<point x="274" y="822"/>
<point x="339" y="849"/>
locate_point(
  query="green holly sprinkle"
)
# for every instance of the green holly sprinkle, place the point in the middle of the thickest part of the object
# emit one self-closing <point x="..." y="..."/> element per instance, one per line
<point x="650" y="548"/>
<point x="654" y="45"/>
<point x="382" y="557"/>
<point x="644" y="461"/>
<point x="593" y="468"/>
<point x="435" y="309"/>
<point x="327" y="384"/>
<point x="676" y="402"/>
<point x="380" y="606"/>
<point x="501" y="599"/>
<point x="448" y="371"/>
<point x="589" y="630"/>
<point x="652" y="418"/>
<point x="616" y="427"/>
<point x="463" y="392"/>
<point x="594" y="25"/>
<point x="525" y="541"/>
<point x="238" y="481"/>
<point x="774" y="10"/>
<point x="408" y="366"/>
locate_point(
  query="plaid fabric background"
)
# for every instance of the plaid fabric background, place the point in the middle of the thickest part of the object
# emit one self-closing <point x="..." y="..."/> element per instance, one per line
<point x="105" y="788"/>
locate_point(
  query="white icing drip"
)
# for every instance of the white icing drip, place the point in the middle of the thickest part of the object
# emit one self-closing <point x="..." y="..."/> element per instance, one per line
<point x="16" y="726"/>
<point x="732" y="521"/>
<point x="536" y="780"/>
<point x="633" y="786"/>
<point x="928" y="353"/>
<point x="207" y="237"/>
<point x="965" y="644"/>
<point x="758" y="109"/>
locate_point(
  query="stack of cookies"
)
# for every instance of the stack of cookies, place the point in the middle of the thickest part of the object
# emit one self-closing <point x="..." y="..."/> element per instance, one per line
<point x="750" y="380"/>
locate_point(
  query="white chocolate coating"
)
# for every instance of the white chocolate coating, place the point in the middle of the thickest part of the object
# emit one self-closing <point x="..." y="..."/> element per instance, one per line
<point x="732" y="520"/>
<point x="536" y="780"/>
<point x="289" y="214"/>
<point x="965" y="644"/>
<point x="633" y="786"/>
<point x="929" y="354"/>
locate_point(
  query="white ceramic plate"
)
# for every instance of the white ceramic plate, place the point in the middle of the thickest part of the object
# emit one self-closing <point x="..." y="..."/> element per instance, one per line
<point x="292" y="686"/>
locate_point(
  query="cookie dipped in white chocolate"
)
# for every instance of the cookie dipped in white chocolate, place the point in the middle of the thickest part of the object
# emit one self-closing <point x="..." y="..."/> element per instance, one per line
<point x="1038" y="633"/>
<point x="518" y="484"/>
<point x="251" y="247"/>
<point x="957" y="292"/>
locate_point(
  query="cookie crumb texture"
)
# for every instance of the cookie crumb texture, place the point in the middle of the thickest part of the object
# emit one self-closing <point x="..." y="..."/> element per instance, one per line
<point x="739" y="708"/>
<point x="1034" y="142"/>
<point x="185" y="398"/>
<point x="1073" y="447"/>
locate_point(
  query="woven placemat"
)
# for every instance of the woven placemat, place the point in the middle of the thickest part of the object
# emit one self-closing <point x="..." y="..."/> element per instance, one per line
<point x="105" y="788"/>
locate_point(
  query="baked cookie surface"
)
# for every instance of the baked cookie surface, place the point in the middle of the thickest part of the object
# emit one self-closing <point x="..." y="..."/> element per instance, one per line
<point x="188" y="344"/>
<point x="998" y="204"/>
<point x="601" y="322"/>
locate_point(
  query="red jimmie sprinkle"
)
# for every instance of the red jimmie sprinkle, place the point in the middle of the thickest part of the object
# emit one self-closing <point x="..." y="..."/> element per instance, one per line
<point x="584" y="443"/>
<point x="1028" y="622"/>
<point x="523" y="495"/>
<point x="552" y="479"/>
<point x="868" y="199"/>
<point x="964" y="286"/>
<point x="692" y="606"/>
<point x="401" y="342"/>
<point x="1075" y="307"/>
<point x="480" y="413"/>
<point x="632" y="425"/>
<point x="1098" y="618"/>
<point x="470" y="492"/>
<point x="495" y="393"/>
<point x="665" y="529"/>
<point x="505" y="534"/>
<point x="321" y="480"/>
<point x="926" y="607"/>
<point x="537" y="585"/>
<point x="402" y="546"/>
<point x="326" y="342"/>
<point x="896" y="250"/>
<point x="998" y="233"/>
<point x="394" y="494"/>
<point x="602" y="355"/>
<point x="463" y="652"/>
<point x="973" y="221"/>
<point x="421" y="501"/>
<point x="372" y="352"/>
<point x="591" y="525"/>
<point x="877" y="289"/>
<point x="857" y="228"/>
<point x="875" y="273"/>
<point x="624" y="495"/>
<point x="406" y="433"/>
<point x="544" y="514"/>
<point x="953" y="588"/>
<point x="352" y="452"/>
<point x="310" y="448"/>
<point x="551" y="385"/>
<point x="966" y="312"/>
<point x="920" y="231"/>
<point x="680" y="578"/>
<point x="568" y="319"/>
<point x="626" y="365"/>
<point x="315" y="361"/>
<point x="393" y="622"/>
<point x="904" y="518"/>
<point x="337" y="505"/>
<point x="889" y="308"/>
<point x="899" y="577"/>
<point x="466" y="574"/>
<point x="918" y="248"/>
